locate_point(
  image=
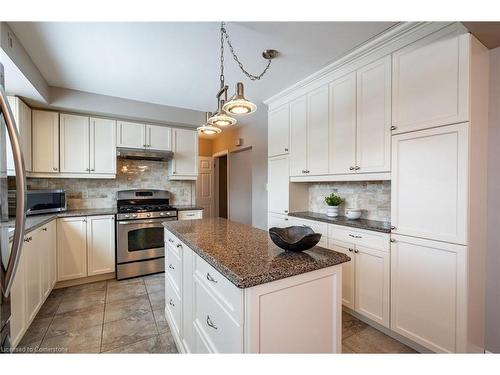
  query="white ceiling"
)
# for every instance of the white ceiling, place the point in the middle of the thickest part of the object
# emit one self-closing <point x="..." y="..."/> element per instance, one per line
<point x="177" y="64"/>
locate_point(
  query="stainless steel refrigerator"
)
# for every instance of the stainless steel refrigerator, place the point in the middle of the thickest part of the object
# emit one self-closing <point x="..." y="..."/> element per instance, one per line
<point x="10" y="250"/>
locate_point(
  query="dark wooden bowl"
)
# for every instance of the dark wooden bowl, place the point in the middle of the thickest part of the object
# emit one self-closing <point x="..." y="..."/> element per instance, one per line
<point x="296" y="238"/>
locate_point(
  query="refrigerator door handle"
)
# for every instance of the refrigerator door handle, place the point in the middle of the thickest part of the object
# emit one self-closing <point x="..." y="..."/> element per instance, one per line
<point x="17" y="241"/>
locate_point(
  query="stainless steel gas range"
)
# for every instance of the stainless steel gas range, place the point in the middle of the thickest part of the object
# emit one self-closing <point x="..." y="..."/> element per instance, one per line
<point x="139" y="231"/>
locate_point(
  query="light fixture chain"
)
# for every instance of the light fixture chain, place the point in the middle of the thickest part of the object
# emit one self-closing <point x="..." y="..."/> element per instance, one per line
<point x="235" y="57"/>
<point x="222" y="55"/>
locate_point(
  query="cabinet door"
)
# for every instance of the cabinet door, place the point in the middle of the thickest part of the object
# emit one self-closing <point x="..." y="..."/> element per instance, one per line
<point x="102" y="146"/>
<point x="372" y="285"/>
<point x="101" y="244"/>
<point x="45" y="141"/>
<point x="298" y="137"/>
<point x="373" y="120"/>
<point x="343" y="125"/>
<point x="317" y="131"/>
<point x="278" y="184"/>
<point x="52" y="253"/>
<point x="22" y="117"/>
<point x="74" y="138"/>
<point x="429" y="190"/>
<point x="43" y="248"/>
<point x="71" y="248"/>
<point x="18" y="319"/>
<point x="185" y="147"/>
<point x="159" y="137"/>
<point x="131" y="135"/>
<point x="33" y="255"/>
<point x="278" y="131"/>
<point x="278" y="221"/>
<point x="347" y="272"/>
<point x="428" y="304"/>
<point x="430" y="81"/>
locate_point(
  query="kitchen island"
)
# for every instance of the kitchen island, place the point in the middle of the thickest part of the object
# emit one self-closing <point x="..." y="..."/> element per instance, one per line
<point x="230" y="289"/>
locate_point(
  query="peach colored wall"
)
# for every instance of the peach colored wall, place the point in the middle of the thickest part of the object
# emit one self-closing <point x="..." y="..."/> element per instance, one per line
<point x="205" y="147"/>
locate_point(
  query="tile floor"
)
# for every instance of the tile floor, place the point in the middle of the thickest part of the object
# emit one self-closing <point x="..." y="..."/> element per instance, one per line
<point x="128" y="317"/>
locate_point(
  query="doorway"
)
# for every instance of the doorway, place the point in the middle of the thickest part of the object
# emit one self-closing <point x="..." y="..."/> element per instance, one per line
<point x="221" y="184"/>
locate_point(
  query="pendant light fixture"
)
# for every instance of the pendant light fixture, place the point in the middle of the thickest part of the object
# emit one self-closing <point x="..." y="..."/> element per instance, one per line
<point x="238" y="104"/>
<point x="208" y="129"/>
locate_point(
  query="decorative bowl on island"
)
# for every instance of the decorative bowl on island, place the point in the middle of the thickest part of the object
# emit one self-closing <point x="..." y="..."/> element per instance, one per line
<point x="296" y="238"/>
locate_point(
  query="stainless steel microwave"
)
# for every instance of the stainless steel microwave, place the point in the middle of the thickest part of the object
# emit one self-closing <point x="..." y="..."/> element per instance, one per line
<point x="40" y="201"/>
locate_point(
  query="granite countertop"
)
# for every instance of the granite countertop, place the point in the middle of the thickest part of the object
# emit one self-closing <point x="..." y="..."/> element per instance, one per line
<point x="246" y="256"/>
<point x="377" y="226"/>
<point x="187" y="207"/>
<point x="35" y="221"/>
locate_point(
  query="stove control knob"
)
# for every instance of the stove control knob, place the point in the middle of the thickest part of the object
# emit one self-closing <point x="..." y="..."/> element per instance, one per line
<point x="134" y="215"/>
<point x="127" y="216"/>
<point x="162" y="213"/>
<point x="148" y="215"/>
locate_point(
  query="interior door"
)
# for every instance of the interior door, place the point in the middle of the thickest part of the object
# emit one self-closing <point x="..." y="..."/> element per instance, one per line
<point x="205" y="196"/>
<point x="298" y="137"/>
<point x="74" y="138"/>
<point x="159" y="137"/>
<point x="343" y="125"/>
<point x="317" y="131"/>
<point x="102" y="145"/>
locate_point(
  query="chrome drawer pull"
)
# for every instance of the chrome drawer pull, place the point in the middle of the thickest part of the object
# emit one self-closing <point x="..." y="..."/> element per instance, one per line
<point x="170" y="240"/>
<point x="210" y="278"/>
<point x="171" y="303"/>
<point x="210" y="323"/>
<point x="179" y="245"/>
<point x="171" y="267"/>
<point x="354" y="236"/>
<point x="44" y="229"/>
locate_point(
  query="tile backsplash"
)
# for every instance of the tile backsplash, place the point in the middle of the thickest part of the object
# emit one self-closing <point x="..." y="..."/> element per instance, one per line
<point x="131" y="174"/>
<point x="373" y="197"/>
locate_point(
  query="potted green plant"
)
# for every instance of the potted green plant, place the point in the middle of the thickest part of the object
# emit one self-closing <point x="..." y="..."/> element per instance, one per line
<point x="333" y="201"/>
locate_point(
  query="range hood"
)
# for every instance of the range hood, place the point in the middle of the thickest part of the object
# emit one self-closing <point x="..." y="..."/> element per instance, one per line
<point x="139" y="154"/>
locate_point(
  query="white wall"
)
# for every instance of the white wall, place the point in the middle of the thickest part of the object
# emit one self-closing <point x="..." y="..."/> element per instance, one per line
<point x="240" y="187"/>
<point x="493" y="256"/>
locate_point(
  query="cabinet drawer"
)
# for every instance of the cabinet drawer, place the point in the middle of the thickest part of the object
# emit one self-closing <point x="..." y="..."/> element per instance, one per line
<point x="316" y="226"/>
<point x="190" y="215"/>
<point x="173" y="307"/>
<point x="222" y="332"/>
<point x="172" y="240"/>
<point x="375" y="240"/>
<point x="228" y="295"/>
<point x="173" y="267"/>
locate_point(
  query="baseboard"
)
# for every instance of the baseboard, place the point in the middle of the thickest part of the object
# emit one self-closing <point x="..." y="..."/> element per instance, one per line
<point x="85" y="280"/>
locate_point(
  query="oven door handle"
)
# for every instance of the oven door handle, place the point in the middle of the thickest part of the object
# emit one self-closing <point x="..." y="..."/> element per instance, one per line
<point x="140" y="222"/>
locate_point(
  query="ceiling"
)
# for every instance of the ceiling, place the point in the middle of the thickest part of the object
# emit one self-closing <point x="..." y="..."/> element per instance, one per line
<point x="487" y="32"/>
<point x="177" y="63"/>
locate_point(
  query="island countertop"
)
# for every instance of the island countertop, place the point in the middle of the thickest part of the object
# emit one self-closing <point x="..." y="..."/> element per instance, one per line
<point x="246" y="256"/>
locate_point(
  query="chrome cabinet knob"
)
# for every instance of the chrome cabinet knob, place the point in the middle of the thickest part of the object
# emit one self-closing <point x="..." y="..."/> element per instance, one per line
<point x="393" y="227"/>
<point x="393" y="240"/>
<point x="87" y="169"/>
<point x="210" y="323"/>
<point x="54" y="168"/>
<point x="179" y="245"/>
<point x="171" y="303"/>
<point x="351" y="168"/>
<point x="44" y="229"/>
<point x="394" y="127"/>
<point x="356" y="251"/>
<point x="286" y="150"/>
<point x="357" y="168"/>
<point x="210" y="278"/>
<point x="171" y="267"/>
<point x="351" y="250"/>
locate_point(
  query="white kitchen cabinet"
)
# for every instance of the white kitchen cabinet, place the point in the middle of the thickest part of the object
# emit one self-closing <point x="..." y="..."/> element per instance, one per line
<point x="102" y="146"/>
<point x="342" y="150"/>
<point x="431" y="81"/>
<point x="45" y="141"/>
<point x="158" y="137"/>
<point x="347" y="272"/>
<point x="190" y="215"/>
<point x="18" y="313"/>
<point x="373" y="117"/>
<point x="428" y="292"/>
<point x="317" y="131"/>
<point x="298" y="137"/>
<point x="22" y="117"/>
<point x="47" y="245"/>
<point x="184" y="165"/>
<point x="100" y="244"/>
<point x="278" y="181"/>
<point x="316" y="226"/>
<point x="130" y="135"/>
<point x="74" y="143"/>
<point x="71" y="248"/>
<point x="431" y="166"/>
<point x="278" y="220"/>
<point x="33" y="267"/>
<point x="278" y="131"/>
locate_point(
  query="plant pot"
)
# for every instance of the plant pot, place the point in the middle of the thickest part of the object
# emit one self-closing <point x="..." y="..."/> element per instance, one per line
<point x="332" y="211"/>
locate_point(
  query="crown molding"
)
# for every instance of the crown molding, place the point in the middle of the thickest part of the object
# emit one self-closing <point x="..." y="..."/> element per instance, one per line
<point x="387" y="42"/>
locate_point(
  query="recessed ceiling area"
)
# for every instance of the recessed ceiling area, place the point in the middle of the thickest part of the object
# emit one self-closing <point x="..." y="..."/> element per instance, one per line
<point x="177" y="63"/>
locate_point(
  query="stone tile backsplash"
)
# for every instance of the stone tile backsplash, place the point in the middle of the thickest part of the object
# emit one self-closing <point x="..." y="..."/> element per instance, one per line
<point x="131" y="174"/>
<point x="373" y="197"/>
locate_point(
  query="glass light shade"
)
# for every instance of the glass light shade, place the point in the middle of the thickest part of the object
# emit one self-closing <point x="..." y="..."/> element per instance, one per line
<point x="221" y="119"/>
<point x="208" y="130"/>
<point x="238" y="104"/>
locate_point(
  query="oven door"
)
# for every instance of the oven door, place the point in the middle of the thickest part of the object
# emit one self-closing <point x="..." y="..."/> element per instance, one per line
<point x="139" y="239"/>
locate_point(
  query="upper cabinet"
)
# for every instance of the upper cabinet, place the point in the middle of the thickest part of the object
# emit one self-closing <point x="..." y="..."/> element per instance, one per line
<point x="431" y="81"/>
<point x="45" y="141"/>
<point x="278" y="131"/>
<point x="184" y="165"/>
<point x="22" y="117"/>
<point x="88" y="145"/>
<point x="141" y="136"/>
<point x="298" y="137"/>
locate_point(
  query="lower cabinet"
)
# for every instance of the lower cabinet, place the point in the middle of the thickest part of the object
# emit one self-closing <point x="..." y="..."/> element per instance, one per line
<point x="429" y="308"/>
<point x="278" y="220"/>
<point x="85" y="246"/>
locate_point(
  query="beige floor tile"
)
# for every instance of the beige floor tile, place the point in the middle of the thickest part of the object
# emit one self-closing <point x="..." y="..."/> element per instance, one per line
<point x="154" y="285"/>
<point x="114" y="282"/>
<point x="57" y="293"/>
<point x="91" y="287"/>
<point x="49" y="307"/>
<point x="346" y="350"/>
<point x="351" y="325"/>
<point x="148" y="346"/>
<point x="371" y="340"/>
<point x="128" y="331"/>
<point x="168" y="343"/>
<point x="36" y="331"/>
<point x="72" y="302"/>
<point x="86" y="340"/>
<point x="125" y="291"/>
<point x="157" y="300"/>
<point x="161" y="320"/>
<point x="75" y="320"/>
<point x="126" y="307"/>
